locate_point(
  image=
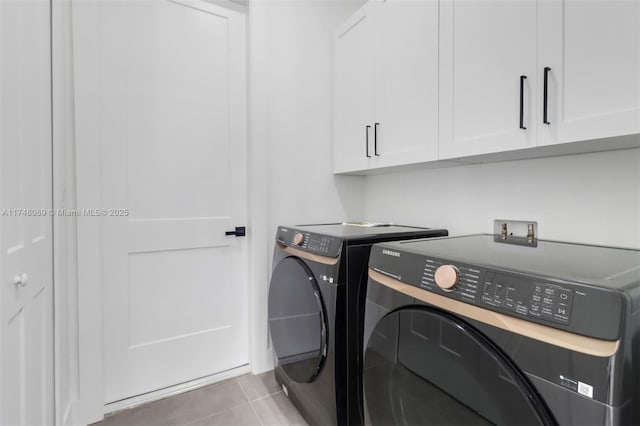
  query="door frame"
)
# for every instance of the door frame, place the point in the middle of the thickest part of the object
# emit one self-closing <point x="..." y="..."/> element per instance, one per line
<point x="65" y="284"/>
<point x="89" y="180"/>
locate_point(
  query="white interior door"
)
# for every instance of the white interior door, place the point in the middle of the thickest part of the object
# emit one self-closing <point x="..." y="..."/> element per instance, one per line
<point x="26" y="309"/>
<point x="173" y="137"/>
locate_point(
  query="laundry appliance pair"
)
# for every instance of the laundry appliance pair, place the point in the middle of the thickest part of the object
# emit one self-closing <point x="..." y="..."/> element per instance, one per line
<point x="454" y="330"/>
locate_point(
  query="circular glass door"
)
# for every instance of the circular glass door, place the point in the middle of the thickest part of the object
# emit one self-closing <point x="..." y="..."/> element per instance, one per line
<point x="297" y="320"/>
<point x="423" y="366"/>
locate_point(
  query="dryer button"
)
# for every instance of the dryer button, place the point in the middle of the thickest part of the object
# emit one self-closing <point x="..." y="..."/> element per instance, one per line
<point x="298" y="239"/>
<point x="447" y="277"/>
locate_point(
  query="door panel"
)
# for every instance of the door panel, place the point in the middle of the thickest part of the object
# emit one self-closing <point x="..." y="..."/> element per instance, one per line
<point x="174" y="159"/>
<point x="592" y="49"/>
<point x="157" y="273"/>
<point x="485" y="46"/>
<point x="407" y="81"/>
<point x="353" y="91"/>
<point x="26" y="294"/>
<point x="184" y="167"/>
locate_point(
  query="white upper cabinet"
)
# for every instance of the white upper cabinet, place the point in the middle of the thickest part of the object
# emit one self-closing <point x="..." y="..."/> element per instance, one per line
<point x="591" y="50"/>
<point x="581" y="60"/>
<point x="417" y="81"/>
<point x="353" y="86"/>
<point x="386" y="86"/>
<point x="406" y="104"/>
<point x="487" y="76"/>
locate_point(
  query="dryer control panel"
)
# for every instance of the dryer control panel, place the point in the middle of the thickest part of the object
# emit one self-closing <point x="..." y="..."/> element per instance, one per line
<point x="323" y="245"/>
<point x="560" y="304"/>
<point x="523" y="297"/>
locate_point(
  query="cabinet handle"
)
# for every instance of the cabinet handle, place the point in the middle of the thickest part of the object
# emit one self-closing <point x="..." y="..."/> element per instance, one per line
<point x="367" y="141"/>
<point x="522" y="79"/>
<point x="545" y="95"/>
<point x="375" y="139"/>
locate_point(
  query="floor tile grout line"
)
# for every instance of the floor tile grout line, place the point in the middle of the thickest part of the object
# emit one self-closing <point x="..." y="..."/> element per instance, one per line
<point x="255" y="413"/>
<point x="261" y="396"/>
<point x="268" y="395"/>
<point x="215" y="414"/>
<point x="271" y="395"/>
<point x="245" y="391"/>
<point x="242" y="389"/>
<point x="222" y="411"/>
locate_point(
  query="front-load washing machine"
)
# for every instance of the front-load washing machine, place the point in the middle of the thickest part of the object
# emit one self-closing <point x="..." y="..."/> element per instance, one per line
<point x="316" y="301"/>
<point x="469" y="330"/>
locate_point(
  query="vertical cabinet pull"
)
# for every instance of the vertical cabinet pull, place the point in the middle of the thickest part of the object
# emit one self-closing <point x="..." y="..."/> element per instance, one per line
<point x="367" y="141"/>
<point x="522" y="79"/>
<point x="545" y="94"/>
<point x="375" y="139"/>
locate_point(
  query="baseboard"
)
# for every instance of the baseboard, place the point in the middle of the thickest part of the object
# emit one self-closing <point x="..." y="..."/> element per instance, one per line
<point x="135" y="401"/>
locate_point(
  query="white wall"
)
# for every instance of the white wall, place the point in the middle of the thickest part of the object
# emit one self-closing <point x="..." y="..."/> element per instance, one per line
<point x="302" y="188"/>
<point x="589" y="198"/>
<point x="290" y="135"/>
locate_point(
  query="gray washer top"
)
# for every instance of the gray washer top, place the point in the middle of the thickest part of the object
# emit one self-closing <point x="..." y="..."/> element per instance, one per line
<point x="609" y="267"/>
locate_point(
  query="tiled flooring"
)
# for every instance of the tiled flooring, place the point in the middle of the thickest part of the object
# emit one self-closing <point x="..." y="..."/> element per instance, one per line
<point x="247" y="400"/>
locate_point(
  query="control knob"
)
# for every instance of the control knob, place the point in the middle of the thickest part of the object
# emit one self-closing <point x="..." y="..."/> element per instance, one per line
<point x="447" y="277"/>
<point x="298" y="239"/>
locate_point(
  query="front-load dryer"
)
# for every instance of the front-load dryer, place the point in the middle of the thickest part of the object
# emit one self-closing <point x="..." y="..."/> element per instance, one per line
<point x="316" y="301"/>
<point x="469" y="330"/>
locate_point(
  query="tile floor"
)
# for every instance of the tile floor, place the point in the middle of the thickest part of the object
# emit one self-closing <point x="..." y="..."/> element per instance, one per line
<point x="251" y="400"/>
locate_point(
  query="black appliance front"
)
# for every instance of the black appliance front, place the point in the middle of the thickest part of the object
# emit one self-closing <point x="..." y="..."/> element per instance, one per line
<point x="302" y="317"/>
<point x="316" y="315"/>
<point x="297" y="320"/>
<point x="545" y="335"/>
<point x="423" y="366"/>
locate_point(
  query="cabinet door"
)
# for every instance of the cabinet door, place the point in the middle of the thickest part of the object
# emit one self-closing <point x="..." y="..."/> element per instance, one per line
<point x="353" y="88"/>
<point x="485" y="47"/>
<point x="593" y="51"/>
<point x="406" y="82"/>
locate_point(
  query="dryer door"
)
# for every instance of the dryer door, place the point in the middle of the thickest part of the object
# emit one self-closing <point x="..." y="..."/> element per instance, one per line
<point x="297" y="320"/>
<point x="423" y="366"/>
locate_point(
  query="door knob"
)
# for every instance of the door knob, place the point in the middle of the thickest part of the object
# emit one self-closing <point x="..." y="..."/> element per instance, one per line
<point x="21" y="280"/>
<point x="239" y="232"/>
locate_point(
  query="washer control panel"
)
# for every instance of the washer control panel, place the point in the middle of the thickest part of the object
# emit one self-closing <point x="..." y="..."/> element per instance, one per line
<point x="507" y="293"/>
<point x="323" y="245"/>
<point x="580" y="307"/>
<point x="528" y="298"/>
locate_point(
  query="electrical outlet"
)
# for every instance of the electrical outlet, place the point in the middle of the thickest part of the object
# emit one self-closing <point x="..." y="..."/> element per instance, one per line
<point x="522" y="232"/>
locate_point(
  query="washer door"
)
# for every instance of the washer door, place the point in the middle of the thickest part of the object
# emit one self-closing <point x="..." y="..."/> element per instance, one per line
<point x="424" y="366"/>
<point x="297" y="320"/>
